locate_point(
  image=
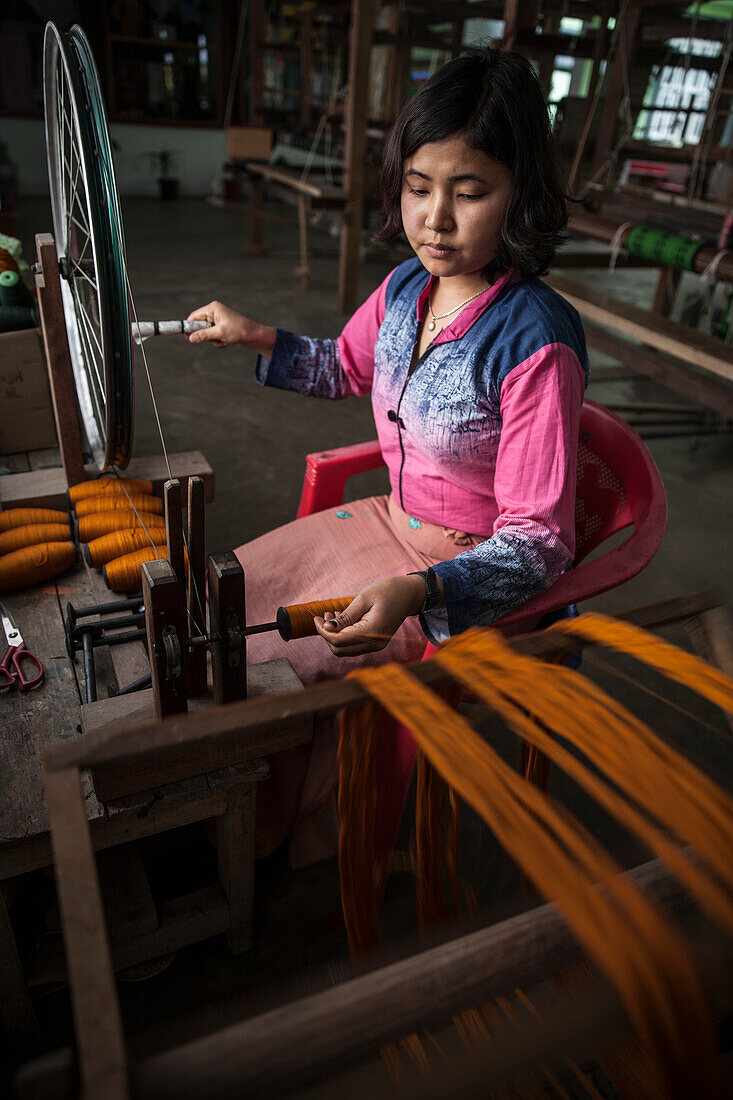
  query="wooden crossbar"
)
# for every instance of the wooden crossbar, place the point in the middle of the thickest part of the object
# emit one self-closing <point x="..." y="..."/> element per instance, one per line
<point x="699" y="350"/>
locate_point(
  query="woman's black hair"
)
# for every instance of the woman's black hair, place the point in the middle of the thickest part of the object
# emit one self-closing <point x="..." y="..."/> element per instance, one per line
<point x="494" y="101"/>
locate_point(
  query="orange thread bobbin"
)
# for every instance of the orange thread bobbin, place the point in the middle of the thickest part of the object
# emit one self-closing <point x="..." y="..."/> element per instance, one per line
<point x="18" y="537"/>
<point x="33" y="564"/>
<point x="118" y="543"/>
<point x="112" y="502"/>
<point x="22" y="517"/>
<point x="301" y="615"/>
<point x="8" y="261"/>
<point x="103" y="523"/>
<point x="113" y="485"/>
<point x="123" y="574"/>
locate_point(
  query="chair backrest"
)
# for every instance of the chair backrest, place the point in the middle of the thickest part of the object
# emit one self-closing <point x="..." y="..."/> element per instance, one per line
<point x="618" y="486"/>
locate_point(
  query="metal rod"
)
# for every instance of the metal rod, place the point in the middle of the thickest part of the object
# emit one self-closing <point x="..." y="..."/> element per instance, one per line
<point x="136" y="685"/>
<point x="103" y="608"/>
<point x="90" y="672"/>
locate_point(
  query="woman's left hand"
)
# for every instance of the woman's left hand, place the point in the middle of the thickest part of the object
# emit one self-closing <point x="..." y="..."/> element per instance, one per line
<point x="373" y="617"/>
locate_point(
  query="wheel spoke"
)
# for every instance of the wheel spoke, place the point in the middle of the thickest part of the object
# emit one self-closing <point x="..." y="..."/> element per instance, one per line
<point x="92" y="333"/>
<point x="82" y="272"/>
<point x="85" y="331"/>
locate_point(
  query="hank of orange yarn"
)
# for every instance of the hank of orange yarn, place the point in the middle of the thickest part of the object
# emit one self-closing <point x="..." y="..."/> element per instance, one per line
<point x="33" y="564"/>
<point x="118" y="543"/>
<point x="21" y="517"/>
<point x="109" y="485"/>
<point x="110" y="502"/>
<point x="123" y="574"/>
<point x="18" y="537"/>
<point x="102" y="523"/>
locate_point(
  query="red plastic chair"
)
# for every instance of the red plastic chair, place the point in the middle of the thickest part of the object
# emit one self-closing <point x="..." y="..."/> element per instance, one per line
<point x="618" y="486"/>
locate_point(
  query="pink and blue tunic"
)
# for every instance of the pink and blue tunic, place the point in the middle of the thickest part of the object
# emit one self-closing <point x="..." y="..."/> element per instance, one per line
<point x="480" y="436"/>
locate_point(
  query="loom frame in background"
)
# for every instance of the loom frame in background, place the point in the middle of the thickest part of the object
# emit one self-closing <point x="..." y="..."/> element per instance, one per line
<point x="234" y="734"/>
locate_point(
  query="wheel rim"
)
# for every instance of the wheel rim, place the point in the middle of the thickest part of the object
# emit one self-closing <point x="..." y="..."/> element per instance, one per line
<point x="90" y="245"/>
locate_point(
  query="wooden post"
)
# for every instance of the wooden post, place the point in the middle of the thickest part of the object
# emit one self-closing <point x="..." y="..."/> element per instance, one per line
<point x="58" y="359"/>
<point x="196" y="584"/>
<point x="363" y="21"/>
<point x="666" y="290"/>
<point x="625" y="46"/>
<point x="227" y="618"/>
<point x="306" y="69"/>
<point x="519" y="15"/>
<point x="235" y="848"/>
<point x="165" y="622"/>
<point x="97" y="1022"/>
<point x="172" y="499"/>
<point x="303" y="270"/>
<point x="256" y="62"/>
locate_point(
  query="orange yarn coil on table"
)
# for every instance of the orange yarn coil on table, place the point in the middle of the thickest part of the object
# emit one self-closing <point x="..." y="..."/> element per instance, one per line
<point x="110" y="485"/>
<point x="18" y="537"/>
<point x="123" y="574"/>
<point x="22" y="517"/>
<point x="118" y="543"/>
<point x="8" y="261"/>
<point x="103" y="523"/>
<point x="33" y="564"/>
<point x="112" y="502"/>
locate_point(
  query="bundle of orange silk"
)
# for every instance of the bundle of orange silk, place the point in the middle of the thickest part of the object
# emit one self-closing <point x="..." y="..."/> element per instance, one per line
<point x="644" y="959"/>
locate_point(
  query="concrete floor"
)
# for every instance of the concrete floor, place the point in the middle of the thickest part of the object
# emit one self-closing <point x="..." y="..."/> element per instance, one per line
<point x="182" y="255"/>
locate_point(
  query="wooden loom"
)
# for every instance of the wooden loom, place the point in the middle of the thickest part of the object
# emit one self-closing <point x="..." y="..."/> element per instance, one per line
<point x="301" y="1041"/>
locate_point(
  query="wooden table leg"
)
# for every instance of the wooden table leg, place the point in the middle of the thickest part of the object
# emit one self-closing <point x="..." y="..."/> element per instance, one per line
<point x="235" y="835"/>
<point x="303" y="270"/>
<point x="18" y="1026"/>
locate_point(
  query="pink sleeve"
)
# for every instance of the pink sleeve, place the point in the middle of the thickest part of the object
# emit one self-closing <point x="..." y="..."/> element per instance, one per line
<point x="356" y="342"/>
<point x="536" y="462"/>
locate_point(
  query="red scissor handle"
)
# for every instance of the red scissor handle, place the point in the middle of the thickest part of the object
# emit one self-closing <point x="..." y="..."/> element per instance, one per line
<point x="12" y="666"/>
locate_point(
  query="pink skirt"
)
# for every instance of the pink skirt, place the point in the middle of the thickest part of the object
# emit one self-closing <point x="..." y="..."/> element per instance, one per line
<point x="333" y="553"/>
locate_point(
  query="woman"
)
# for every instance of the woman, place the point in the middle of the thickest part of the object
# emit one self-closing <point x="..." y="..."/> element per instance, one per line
<point x="476" y="370"/>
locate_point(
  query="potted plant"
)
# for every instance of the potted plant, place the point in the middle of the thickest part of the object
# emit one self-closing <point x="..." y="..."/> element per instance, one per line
<point x="165" y="162"/>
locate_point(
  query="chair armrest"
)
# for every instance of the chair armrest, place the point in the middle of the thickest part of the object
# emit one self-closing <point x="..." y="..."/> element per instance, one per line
<point x="326" y="473"/>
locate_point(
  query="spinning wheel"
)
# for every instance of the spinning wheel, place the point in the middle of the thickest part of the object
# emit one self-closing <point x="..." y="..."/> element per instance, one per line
<point x="90" y="245"/>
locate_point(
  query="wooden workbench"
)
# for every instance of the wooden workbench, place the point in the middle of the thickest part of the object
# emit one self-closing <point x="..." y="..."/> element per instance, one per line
<point x="54" y="713"/>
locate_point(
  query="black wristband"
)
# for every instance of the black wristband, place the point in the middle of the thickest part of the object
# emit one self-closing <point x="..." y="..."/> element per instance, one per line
<point x="432" y="598"/>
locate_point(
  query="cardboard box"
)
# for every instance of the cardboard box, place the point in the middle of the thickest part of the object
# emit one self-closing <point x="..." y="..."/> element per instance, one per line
<point x="26" y="412"/>
<point x="248" y="143"/>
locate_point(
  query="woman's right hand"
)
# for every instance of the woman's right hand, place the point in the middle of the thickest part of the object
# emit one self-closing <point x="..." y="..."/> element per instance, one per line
<point x="231" y="329"/>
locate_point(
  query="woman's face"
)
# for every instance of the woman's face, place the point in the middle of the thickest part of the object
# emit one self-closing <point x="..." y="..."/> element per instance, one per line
<point x="454" y="199"/>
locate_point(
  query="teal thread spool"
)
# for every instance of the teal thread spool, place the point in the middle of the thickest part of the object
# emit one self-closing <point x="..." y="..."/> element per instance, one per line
<point x="14" y="318"/>
<point x="13" y="291"/>
<point x="666" y="249"/>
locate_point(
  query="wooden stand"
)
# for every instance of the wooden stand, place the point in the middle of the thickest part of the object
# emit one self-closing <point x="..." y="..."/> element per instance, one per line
<point x="48" y="488"/>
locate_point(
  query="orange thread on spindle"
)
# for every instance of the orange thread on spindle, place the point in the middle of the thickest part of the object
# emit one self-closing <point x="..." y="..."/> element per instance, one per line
<point x="103" y="523"/>
<point x="119" y="501"/>
<point x="112" y="485"/>
<point x="18" y="537"/>
<point x="33" y="564"/>
<point x="118" y="543"/>
<point x="123" y="574"/>
<point x="8" y="261"/>
<point x="22" y="517"/>
<point x="301" y="615"/>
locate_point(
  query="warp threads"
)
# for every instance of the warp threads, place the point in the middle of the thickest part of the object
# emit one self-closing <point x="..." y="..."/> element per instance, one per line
<point x="653" y="791"/>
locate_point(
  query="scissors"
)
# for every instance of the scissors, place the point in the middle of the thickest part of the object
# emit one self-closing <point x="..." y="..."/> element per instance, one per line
<point x="11" y="666"/>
